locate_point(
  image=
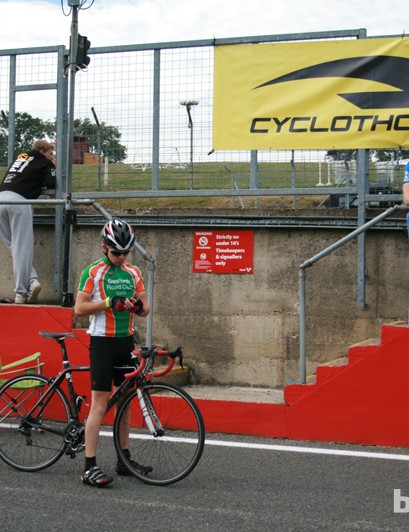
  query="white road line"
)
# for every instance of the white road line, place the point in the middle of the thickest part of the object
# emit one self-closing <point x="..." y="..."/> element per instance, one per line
<point x="287" y="448"/>
<point x="310" y="450"/>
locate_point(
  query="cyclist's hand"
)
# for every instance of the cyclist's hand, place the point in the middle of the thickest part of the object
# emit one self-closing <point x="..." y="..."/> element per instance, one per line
<point x="137" y="307"/>
<point x="117" y="303"/>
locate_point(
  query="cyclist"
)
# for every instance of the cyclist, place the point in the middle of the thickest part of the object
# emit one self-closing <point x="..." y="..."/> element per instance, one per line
<point x="111" y="291"/>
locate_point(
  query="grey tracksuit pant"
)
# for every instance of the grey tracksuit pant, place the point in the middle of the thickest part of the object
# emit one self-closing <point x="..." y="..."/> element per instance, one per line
<point x="16" y="231"/>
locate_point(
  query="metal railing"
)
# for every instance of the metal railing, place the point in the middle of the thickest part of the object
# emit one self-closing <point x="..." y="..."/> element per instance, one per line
<point x="311" y="261"/>
<point x="57" y="265"/>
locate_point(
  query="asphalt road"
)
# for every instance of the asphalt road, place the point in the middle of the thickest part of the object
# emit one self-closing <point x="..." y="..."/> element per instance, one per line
<point x="241" y="483"/>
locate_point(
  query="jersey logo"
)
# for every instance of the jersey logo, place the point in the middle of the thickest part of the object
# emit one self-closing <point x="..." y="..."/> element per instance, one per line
<point x="23" y="157"/>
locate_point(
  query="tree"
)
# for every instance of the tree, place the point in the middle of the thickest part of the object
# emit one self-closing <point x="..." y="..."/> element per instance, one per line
<point x="27" y="130"/>
<point x="375" y="155"/>
<point x="341" y="155"/>
<point x="110" y="139"/>
<point x="390" y="155"/>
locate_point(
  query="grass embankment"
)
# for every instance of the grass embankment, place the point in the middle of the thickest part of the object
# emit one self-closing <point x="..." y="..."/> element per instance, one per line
<point x="206" y="176"/>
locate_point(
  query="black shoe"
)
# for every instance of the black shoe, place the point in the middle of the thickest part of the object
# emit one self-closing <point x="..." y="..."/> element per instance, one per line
<point x="143" y="470"/>
<point x="95" y="477"/>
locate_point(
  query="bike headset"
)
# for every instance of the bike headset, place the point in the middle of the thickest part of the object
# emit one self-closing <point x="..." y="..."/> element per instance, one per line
<point x="118" y="235"/>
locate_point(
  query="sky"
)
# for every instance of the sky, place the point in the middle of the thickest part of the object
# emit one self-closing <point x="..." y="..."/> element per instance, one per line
<point x="31" y="23"/>
<point x="36" y="23"/>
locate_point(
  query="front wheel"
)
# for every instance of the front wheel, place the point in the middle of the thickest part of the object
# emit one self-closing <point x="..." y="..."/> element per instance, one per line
<point x="168" y="437"/>
<point x="32" y="433"/>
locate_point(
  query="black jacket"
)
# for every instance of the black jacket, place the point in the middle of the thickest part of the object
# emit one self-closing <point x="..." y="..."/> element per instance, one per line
<point x="29" y="173"/>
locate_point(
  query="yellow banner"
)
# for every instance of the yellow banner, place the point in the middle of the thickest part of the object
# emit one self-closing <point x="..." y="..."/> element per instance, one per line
<point x="312" y="95"/>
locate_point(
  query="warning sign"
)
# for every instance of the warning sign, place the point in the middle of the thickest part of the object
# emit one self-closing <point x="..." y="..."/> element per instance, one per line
<point x="223" y="251"/>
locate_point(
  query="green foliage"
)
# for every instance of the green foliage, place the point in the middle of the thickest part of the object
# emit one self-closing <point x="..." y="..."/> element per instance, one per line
<point x="390" y="155"/>
<point x="28" y="129"/>
<point x="376" y="155"/>
<point x="341" y="155"/>
<point x="110" y="139"/>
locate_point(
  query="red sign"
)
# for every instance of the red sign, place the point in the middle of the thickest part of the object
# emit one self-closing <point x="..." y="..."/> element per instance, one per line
<point x="223" y="251"/>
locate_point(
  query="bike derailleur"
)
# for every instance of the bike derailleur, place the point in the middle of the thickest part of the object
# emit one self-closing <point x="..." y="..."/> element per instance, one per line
<point x="74" y="438"/>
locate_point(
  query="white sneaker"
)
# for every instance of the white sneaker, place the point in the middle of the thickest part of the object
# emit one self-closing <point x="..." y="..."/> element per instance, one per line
<point x="34" y="290"/>
<point x="20" y="299"/>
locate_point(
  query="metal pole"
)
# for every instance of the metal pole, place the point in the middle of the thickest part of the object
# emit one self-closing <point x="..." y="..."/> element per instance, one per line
<point x="190" y="126"/>
<point x="12" y="112"/>
<point x="68" y="296"/>
<point x="62" y="94"/>
<point x="303" y="361"/>
<point x="99" y="146"/>
<point x="293" y="178"/>
<point x="156" y="120"/>
<point x="363" y="189"/>
<point x="309" y="262"/>
<point x="254" y="173"/>
<point x="188" y="104"/>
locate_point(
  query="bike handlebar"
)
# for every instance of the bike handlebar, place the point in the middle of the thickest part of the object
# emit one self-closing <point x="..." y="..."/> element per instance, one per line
<point x="149" y="353"/>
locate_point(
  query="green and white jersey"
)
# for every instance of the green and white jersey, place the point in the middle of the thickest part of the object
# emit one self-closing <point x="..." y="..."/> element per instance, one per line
<point x="102" y="279"/>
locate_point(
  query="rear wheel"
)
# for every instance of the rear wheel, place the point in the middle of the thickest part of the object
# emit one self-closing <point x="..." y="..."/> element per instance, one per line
<point x="174" y="448"/>
<point x="32" y="434"/>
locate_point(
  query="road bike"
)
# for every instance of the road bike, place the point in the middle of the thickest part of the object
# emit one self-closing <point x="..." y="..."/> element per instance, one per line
<point x="40" y="421"/>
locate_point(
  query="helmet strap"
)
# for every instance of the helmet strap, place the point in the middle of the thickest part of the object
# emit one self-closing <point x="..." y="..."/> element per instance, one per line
<point x="105" y="251"/>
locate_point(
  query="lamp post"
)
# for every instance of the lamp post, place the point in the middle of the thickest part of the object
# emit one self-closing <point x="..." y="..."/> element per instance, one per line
<point x="188" y="104"/>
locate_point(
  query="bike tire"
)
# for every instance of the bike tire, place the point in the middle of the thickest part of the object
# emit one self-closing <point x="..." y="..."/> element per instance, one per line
<point x="39" y="444"/>
<point x="172" y="455"/>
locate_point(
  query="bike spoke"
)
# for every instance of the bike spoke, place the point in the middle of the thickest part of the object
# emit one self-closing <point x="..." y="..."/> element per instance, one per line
<point x="32" y="430"/>
<point x="166" y="433"/>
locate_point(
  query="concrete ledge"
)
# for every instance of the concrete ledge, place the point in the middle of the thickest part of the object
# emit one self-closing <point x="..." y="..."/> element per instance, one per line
<point x="236" y="393"/>
<point x="179" y="376"/>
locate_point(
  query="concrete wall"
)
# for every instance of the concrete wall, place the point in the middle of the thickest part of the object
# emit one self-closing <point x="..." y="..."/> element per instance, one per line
<point x="243" y="329"/>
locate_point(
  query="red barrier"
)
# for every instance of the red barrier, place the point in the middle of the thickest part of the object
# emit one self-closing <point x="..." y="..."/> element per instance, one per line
<point x="363" y="402"/>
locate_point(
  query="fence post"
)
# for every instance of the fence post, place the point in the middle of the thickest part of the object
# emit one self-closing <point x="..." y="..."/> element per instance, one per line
<point x="156" y="120"/>
<point x="363" y="188"/>
<point x="254" y="172"/>
<point x="302" y="331"/>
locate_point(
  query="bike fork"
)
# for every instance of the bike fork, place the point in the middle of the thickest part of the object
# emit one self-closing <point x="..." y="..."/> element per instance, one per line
<point x="148" y="411"/>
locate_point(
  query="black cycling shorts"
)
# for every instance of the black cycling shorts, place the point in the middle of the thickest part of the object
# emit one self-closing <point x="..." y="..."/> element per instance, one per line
<point x="110" y="359"/>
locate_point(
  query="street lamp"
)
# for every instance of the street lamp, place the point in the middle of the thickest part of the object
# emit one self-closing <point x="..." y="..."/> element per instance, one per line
<point x="188" y="104"/>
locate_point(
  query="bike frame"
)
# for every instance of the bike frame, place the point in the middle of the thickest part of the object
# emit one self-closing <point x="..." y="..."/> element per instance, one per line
<point x="131" y="380"/>
<point x="43" y="418"/>
<point x="55" y="383"/>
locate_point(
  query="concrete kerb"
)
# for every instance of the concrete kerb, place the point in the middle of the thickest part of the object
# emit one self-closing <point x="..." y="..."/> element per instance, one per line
<point x="242" y="394"/>
<point x="246" y="394"/>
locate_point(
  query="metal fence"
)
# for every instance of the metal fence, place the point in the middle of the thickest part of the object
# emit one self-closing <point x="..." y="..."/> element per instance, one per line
<point x="143" y="125"/>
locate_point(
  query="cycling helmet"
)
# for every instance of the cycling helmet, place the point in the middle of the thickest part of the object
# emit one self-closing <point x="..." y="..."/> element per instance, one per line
<point x="118" y="235"/>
